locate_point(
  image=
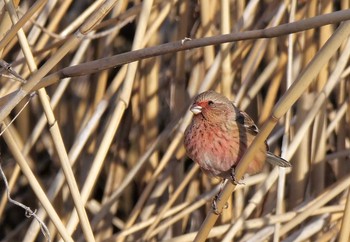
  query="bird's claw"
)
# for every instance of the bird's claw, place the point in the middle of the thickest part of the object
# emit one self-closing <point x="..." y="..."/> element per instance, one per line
<point x="214" y="205"/>
<point x="234" y="180"/>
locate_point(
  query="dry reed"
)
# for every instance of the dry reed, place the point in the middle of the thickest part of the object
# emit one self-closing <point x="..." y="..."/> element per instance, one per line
<point x="94" y="100"/>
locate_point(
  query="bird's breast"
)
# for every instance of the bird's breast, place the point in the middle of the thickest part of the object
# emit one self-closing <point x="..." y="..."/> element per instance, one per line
<point x="212" y="146"/>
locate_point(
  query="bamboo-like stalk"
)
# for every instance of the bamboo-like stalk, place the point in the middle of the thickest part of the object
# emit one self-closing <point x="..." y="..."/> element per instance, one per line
<point x="260" y="81"/>
<point x="19" y="24"/>
<point x="35" y="78"/>
<point x="53" y="25"/>
<point x="206" y="24"/>
<point x="186" y="209"/>
<point x="310" y="46"/>
<point x="116" y="175"/>
<point x="36" y="186"/>
<point x="345" y="225"/>
<point x="327" y="195"/>
<point x="178" y="92"/>
<point x="5" y="25"/>
<point x="338" y="118"/>
<point x="325" y="33"/>
<point x="77" y="147"/>
<point x="318" y="151"/>
<point x="341" y="167"/>
<point x="14" y="173"/>
<point x="275" y="85"/>
<point x="120" y="107"/>
<point x="109" y="62"/>
<point x="256" y="199"/>
<point x="256" y="56"/>
<point x="40" y="126"/>
<point x="150" y="116"/>
<point x="176" y="194"/>
<point x="257" y="223"/>
<point x="54" y="100"/>
<point x="226" y="82"/>
<point x="160" y="18"/>
<point x="319" y="101"/>
<point x="55" y="132"/>
<point x="301" y="159"/>
<point x="280" y="206"/>
<point x="49" y="64"/>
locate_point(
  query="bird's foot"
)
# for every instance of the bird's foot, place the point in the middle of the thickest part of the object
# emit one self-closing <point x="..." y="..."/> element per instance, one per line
<point x="214" y="204"/>
<point x="234" y="180"/>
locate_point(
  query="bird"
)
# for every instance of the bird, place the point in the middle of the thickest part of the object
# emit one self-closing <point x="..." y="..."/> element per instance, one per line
<point x="218" y="136"/>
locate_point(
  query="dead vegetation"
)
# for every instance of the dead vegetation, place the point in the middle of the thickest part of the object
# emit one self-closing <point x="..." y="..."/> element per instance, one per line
<point x="94" y="99"/>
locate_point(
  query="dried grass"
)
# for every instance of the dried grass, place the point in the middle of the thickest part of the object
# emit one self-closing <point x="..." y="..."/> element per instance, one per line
<point x="97" y="144"/>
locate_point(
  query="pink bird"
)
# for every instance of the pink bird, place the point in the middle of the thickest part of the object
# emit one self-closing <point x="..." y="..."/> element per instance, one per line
<point x="219" y="135"/>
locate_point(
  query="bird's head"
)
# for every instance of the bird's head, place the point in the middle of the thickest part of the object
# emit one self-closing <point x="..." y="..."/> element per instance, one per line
<point x="212" y="106"/>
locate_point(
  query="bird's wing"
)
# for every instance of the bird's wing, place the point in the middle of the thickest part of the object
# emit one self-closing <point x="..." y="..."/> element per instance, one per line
<point x="276" y="160"/>
<point x="244" y="119"/>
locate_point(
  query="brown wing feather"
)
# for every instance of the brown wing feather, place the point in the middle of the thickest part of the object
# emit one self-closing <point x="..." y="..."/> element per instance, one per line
<point x="277" y="161"/>
<point x="244" y="119"/>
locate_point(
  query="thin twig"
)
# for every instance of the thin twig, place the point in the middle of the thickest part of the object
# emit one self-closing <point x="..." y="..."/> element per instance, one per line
<point x="28" y="212"/>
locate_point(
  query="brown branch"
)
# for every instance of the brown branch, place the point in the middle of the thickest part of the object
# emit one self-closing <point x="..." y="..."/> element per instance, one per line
<point x="131" y="56"/>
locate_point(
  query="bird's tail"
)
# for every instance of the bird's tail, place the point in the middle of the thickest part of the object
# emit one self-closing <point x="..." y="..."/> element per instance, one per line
<point x="276" y="160"/>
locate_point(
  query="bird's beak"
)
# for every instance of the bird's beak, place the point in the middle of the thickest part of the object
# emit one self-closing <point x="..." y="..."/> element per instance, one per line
<point x="196" y="109"/>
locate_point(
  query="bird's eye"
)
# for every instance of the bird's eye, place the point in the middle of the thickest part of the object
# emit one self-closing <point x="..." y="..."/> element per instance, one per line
<point x="210" y="103"/>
